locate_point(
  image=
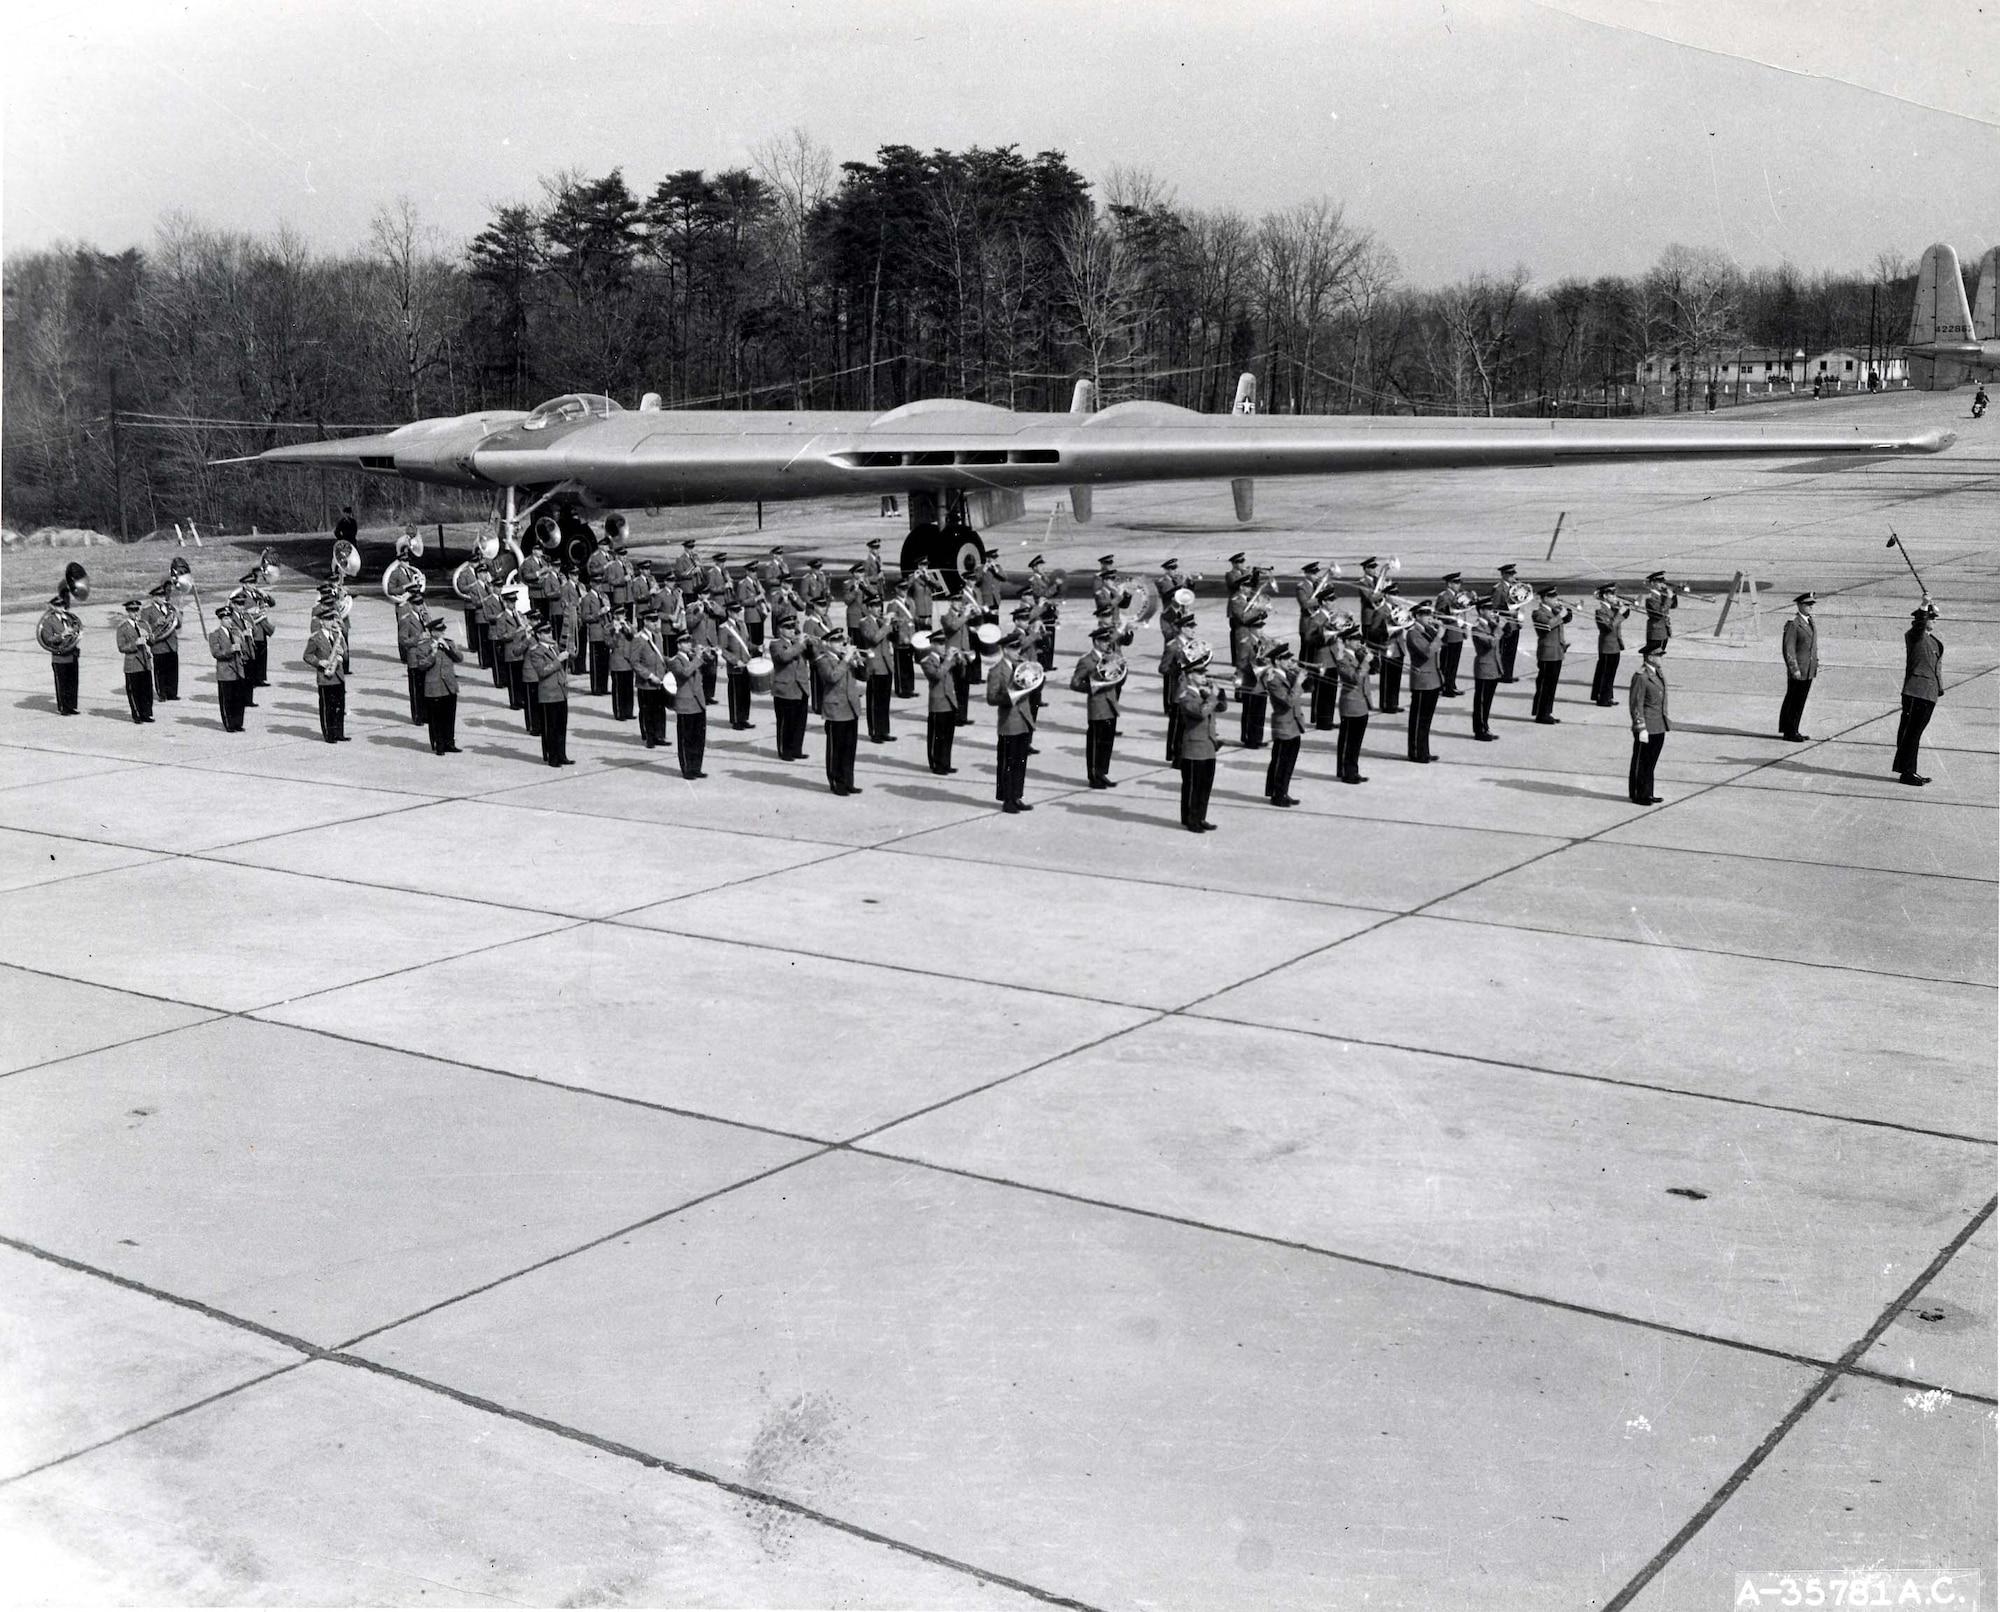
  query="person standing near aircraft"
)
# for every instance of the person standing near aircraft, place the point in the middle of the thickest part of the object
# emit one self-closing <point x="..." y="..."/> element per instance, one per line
<point x="1281" y="678"/>
<point x="649" y="678"/>
<point x="1446" y="607"/>
<point x="1350" y="666"/>
<point x="1551" y="622"/>
<point x="840" y="708"/>
<point x="1509" y="594"/>
<point x="1800" y="647"/>
<point x="1648" y="696"/>
<point x="231" y="650"/>
<point x="940" y="669"/>
<point x="1100" y="677"/>
<point x="1201" y="701"/>
<point x="791" y="685"/>
<point x="438" y="659"/>
<point x="1009" y="687"/>
<point x="138" y="662"/>
<point x="1662" y="599"/>
<point x="1421" y="642"/>
<point x="1611" y="614"/>
<point x="324" y="651"/>
<point x="684" y="663"/>
<point x="1923" y="687"/>
<point x="60" y="632"/>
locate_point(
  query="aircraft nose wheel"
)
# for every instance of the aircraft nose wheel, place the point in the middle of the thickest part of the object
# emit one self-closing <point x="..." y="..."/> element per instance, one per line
<point x="957" y="552"/>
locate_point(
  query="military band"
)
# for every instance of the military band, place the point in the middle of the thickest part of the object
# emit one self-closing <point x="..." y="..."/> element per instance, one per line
<point x="654" y="643"/>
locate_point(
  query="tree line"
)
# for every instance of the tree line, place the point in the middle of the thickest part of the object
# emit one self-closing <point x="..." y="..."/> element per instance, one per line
<point x="798" y="282"/>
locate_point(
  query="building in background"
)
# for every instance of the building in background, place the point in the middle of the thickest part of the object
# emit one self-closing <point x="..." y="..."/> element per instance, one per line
<point x="1743" y="374"/>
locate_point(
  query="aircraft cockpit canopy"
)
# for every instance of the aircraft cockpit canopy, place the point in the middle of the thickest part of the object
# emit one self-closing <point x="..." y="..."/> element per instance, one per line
<point x="569" y="408"/>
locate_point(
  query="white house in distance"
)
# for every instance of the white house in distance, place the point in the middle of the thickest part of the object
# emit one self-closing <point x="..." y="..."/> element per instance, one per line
<point x="1740" y="373"/>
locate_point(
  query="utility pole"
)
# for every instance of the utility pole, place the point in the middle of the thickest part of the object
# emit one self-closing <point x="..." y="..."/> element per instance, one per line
<point x="118" y="459"/>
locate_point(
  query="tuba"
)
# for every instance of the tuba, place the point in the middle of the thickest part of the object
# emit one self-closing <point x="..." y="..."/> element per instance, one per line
<point x="346" y="558"/>
<point x="76" y="582"/>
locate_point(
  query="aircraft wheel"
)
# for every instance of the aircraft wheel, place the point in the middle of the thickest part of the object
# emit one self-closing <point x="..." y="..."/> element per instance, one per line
<point x="919" y="548"/>
<point x="961" y="553"/>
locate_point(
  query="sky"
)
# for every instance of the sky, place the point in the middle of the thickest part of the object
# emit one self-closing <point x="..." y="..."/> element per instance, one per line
<point x="1574" y="137"/>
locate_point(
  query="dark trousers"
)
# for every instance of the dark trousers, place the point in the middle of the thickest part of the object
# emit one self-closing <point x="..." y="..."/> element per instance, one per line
<point x="1251" y="720"/>
<point x="791" y="715"/>
<point x="878" y="707"/>
<point x="652" y="716"/>
<point x="691" y="738"/>
<point x="230" y="693"/>
<point x="1197" y="779"/>
<point x="756" y="630"/>
<point x="707" y="681"/>
<point x="1482" y="705"/>
<point x="939" y="731"/>
<point x="961" y="675"/>
<point x="1047" y="653"/>
<point x="260" y="664"/>
<point x="1098" y="738"/>
<point x="1011" y="780"/>
<point x="906" y="672"/>
<point x="516" y="684"/>
<point x="1325" y="704"/>
<point x="333" y="712"/>
<point x="1392" y="687"/>
<point x="1604" y="681"/>
<point x="1548" y="673"/>
<point x="1173" y="735"/>
<point x="818" y="691"/>
<point x="1645" y="756"/>
<point x="555" y="731"/>
<point x="840" y="744"/>
<point x="1448" y="654"/>
<point x="1910" y="733"/>
<point x="624" y="691"/>
<point x="139" y="694"/>
<point x="739" y="697"/>
<point x="600" y="668"/>
<point x="1510" y="641"/>
<point x="66" y="673"/>
<point x="531" y="707"/>
<point x="416" y="682"/>
<point x="1348" y="749"/>
<point x="1278" y="774"/>
<point x="167" y="674"/>
<point x="472" y="635"/>
<point x="579" y="657"/>
<point x="441" y="715"/>
<point x="1794" y="708"/>
<point x="1423" y="706"/>
<point x="498" y="666"/>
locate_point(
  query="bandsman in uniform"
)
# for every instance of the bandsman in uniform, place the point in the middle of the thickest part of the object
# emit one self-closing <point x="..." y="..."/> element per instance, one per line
<point x="594" y="611"/>
<point x="231" y="649"/>
<point x="1378" y="631"/>
<point x="437" y="658"/>
<point x="1100" y="677"/>
<point x="549" y="667"/>
<point x="954" y="628"/>
<point x="840" y="709"/>
<point x="815" y="592"/>
<point x="1108" y="594"/>
<point x="510" y="642"/>
<point x="1317" y="636"/>
<point x="940" y="667"/>
<point x="926" y="586"/>
<point x="775" y="572"/>
<point x="1447" y="609"/>
<point x="1201" y="701"/>
<point x="324" y="652"/>
<point x="410" y="632"/>
<point x="161" y="619"/>
<point x="1281" y="679"/>
<point x="1551" y="622"/>
<point x="1035" y="638"/>
<point x="253" y="610"/>
<point x="138" y="655"/>
<point x="1248" y="614"/>
<point x="1008" y="687"/>
<point x="1487" y="636"/>
<point x="1648" y="699"/>
<point x="733" y="639"/>
<point x="618" y="572"/>
<point x="1508" y="597"/>
<point x="1662" y="599"/>
<point x="902" y="630"/>
<point x="60" y="633"/>
<point x="644" y="586"/>
<point x="685" y="659"/>
<point x="791" y="686"/>
<point x="475" y="630"/>
<point x="1423" y="642"/>
<point x="870" y="633"/>
<point x="871" y="568"/>
<point x="1350" y="666"/>
<point x="1611" y="614"/>
<point x="649" y="678"/>
<point x="755" y="603"/>
<point x="705" y="615"/>
<point x="1238" y="573"/>
<point x="1800" y="645"/>
<point x="1923" y="687"/>
<point x="687" y="566"/>
<point x="404" y="573"/>
<point x="492" y="607"/>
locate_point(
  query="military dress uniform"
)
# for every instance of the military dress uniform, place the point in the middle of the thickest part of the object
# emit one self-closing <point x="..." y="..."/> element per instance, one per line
<point x="1200" y="702"/>
<point x="438" y="657"/>
<point x="1173" y="666"/>
<point x="755" y="604"/>
<point x="684" y="663"/>
<point x="161" y="622"/>
<point x="138" y="657"/>
<point x="1350" y="666"/>
<point x="410" y="631"/>
<point x="60" y="632"/>
<point x="1316" y="641"/>
<point x="1016" y="730"/>
<point x="1450" y="600"/>
<point x="324" y="652"/>
<point x="1551" y="623"/>
<point x="871" y="634"/>
<point x="550" y="669"/>
<point x="1487" y="635"/>
<point x="940" y="666"/>
<point x="902" y="628"/>
<point x="735" y="646"/>
<point x="1923" y="687"/>
<point x="1648" y="701"/>
<point x="1281" y="678"/>
<point x="1422" y="644"/>
<point x="1247" y="616"/>
<point x="1100" y="678"/>
<point x="1800" y="646"/>
<point x="649" y="685"/>
<point x="1611" y="614"/>
<point x="791" y="688"/>
<point x="232" y="687"/>
<point x="1661" y="601"/>
<point x="1510" y="621"/>
<point x="704" y="630"/>
<point x="492" y="609"/>
<point x="594" y="611"/>
<point x="955" y="629"/>
<point x="624" y="686"/>
<point x="510" y="641"/>
<point x="1373" y="596"/>
<point x="840" y="709"/>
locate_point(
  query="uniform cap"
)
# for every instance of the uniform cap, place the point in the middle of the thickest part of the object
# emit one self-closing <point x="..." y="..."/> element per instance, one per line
<point x="1606" y="587"/>
<point x="1507" y="570"/>
<point x="1656" y="576"/>
<point x="1237" y="558"/>
<point x="874" y="542"/>
<point x="1424" y="607"/>
<point x="1371" y="563"/>
<point x="1547" y="590"/>
<point x="1310" y="568"/>
<point x="1010" y="640"/>
<point x="1806" y="598"/>
<point x="1037" y="560"/>
<point x="1107" y="560"/>
<point x="1451" y="576"/>
<point x="814" y="563"/>
<point x="1280" y="650"/>
<point x="1170" y="565"/>
<point x="1103" y="635"/>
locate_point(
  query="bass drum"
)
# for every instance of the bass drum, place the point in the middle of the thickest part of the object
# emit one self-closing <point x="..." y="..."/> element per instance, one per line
<point x="761" y="670"/>
<point x="986" y="638"/>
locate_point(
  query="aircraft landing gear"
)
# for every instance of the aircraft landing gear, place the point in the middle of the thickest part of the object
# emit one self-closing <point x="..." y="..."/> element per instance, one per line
<point x="941" y="536"/>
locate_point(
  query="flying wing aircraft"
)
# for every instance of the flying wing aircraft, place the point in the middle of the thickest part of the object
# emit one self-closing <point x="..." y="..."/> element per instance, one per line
<point x="585" y="451"/>
<point x="1948" y="343"/>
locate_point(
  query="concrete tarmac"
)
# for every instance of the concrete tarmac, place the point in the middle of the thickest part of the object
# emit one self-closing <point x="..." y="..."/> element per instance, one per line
<point x="446" y="1180"/>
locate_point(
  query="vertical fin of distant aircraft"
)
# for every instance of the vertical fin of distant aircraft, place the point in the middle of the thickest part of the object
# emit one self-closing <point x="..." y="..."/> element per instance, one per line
<point x="1242" y="488"/>
<point x="1246" y="394"/>
<point x="1940" y="315"/>
<point x="1083" y="400"/>
<point x="1986" y="302"/>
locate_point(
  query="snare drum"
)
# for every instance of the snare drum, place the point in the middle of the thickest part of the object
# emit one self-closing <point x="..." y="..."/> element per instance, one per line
<point x="760" y="669"/>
